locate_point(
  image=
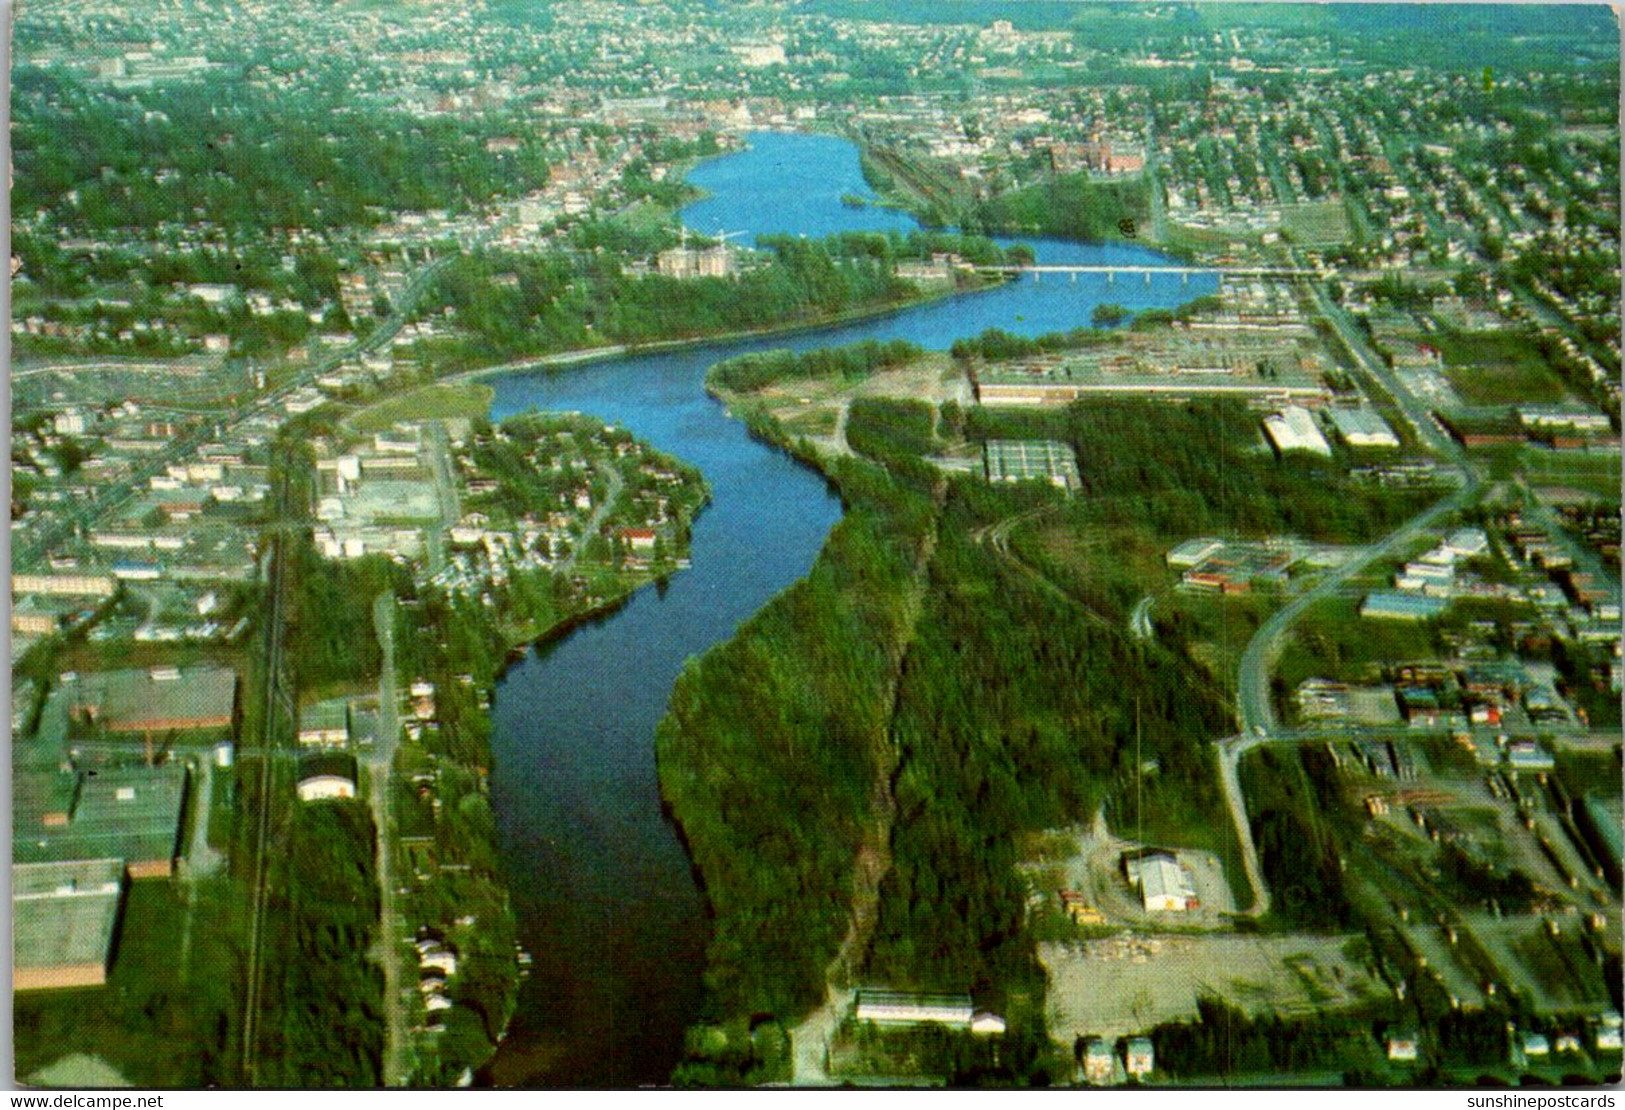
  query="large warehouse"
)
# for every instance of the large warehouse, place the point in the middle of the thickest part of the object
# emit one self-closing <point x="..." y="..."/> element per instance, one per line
<point x="64" y="916"/>
<point x="906" y="1008"/>
<point x="159" y="700"/>
<point x="1294" y="429"/>
<point x="129" y="813"/>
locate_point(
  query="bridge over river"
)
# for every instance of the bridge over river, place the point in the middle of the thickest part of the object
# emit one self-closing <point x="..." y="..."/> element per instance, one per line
<point x="1184" y="272"/>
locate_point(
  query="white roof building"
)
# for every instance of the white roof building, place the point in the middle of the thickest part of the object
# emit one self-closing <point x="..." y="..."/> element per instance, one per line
<point x="904" y="1008"/>
<point x="1098" y="1062"/>
<point x="1402" y="1045"/>
<point x="1164" y="884"/>
<point x="1467" y="542"/>
<point x="323" y="787"/>
<point x="1138" y="1056"/>
<point x="1362" y="427"/>
<point x="1294" y="429"/>
<point x="1192" y="552"/>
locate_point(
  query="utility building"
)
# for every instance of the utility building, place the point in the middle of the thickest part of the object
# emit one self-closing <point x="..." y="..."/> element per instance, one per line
<point x="1294" y="429"/>
<point x="323" y="777"/>
<point x="1362" y="427"/>
<point x="1020" y="460"/>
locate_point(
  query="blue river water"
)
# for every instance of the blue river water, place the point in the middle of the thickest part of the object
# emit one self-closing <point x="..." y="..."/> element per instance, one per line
<point x="604" y="892"/>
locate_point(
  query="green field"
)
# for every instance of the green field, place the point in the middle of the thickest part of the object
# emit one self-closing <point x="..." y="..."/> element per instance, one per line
<point x="1519" y="383"/>
<point x="443" y="401"/>
<point x="1334" y="641"/>
<point x="1316" y="223"/>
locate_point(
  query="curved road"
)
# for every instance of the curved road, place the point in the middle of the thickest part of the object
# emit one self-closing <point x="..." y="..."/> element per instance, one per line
<point x="1255" y="709"/>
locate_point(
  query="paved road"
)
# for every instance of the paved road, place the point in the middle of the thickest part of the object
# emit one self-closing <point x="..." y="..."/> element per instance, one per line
<point x="380" y="769"/>
<point x="445" y="486"/>
<point x="1139" y="621"/>
<point x="613" y="478"/>
<point x="1231" y="750"/>
<point x="201" y="859"/>
<point x="1254" y="707"/>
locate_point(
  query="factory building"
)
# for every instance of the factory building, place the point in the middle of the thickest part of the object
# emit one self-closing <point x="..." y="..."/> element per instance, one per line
<point x="902" y="1008"/>
<point x="64" y="917"/>
<point x="1385" y="605"/>
<point x="1362" y="427"/>
<point x="128" y="813"/>
<point x="156" y="700"/>
<point x="1294" y="429"/>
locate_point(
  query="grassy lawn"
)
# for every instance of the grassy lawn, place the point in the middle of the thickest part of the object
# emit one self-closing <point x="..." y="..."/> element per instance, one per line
<point x="1316" y="222"/>
<point x="221" y="803"/>
<point x="445" y="401"/>
<point x="1334" y="641"/>
<point x="1483" y="348"/>
<point x="1518" y="383"/>
<point x="1597" y="475"/>
<point x="812" y="422"/>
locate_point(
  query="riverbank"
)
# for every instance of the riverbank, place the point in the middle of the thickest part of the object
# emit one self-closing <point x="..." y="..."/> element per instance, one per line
<point x="534" y="573"/>
<point x="605" y="891"/>
<point x="586" y="355"/>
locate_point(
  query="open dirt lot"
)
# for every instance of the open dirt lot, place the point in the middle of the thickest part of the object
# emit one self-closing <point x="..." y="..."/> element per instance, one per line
<point x="1129" y="983"/>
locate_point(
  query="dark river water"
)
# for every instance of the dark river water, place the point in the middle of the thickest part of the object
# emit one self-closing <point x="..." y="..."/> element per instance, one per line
<point x="606" y="900"/>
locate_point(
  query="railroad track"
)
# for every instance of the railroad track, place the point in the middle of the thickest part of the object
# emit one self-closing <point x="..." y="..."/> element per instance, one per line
<point x="260" y="871"/>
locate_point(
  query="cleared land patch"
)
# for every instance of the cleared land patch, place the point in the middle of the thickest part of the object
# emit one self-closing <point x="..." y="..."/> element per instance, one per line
<point x="443" y="401"/>
<point x="1129" y="983"/>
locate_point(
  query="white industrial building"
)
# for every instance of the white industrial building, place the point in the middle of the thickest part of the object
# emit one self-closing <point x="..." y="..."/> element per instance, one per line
<point x="1164" y="885"/>
<point x="885" y="1007"/>
<point x="1465" y="543"/>
<point x="1363" y="427"/>
<point x="1294" y="429"/>
<point x="1194" y="552"/>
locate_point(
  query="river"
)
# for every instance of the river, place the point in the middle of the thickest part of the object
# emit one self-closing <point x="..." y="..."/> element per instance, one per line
<point x="606" y="899"/>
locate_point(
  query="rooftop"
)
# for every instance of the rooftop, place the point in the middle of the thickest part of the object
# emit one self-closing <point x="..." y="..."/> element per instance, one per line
<point x="156" y="700"/>
<point x="64" y="914"/>
<point x="1045" y="460"/>
<point x="132" y="813"/>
